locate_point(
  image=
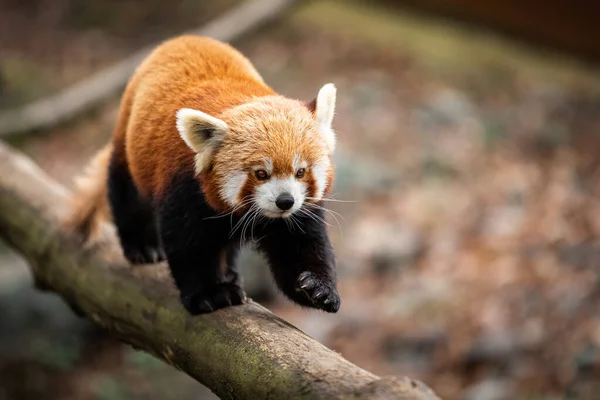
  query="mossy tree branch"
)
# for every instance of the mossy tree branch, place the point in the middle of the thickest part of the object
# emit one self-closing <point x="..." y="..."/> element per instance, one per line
<point x="242" y="352"/>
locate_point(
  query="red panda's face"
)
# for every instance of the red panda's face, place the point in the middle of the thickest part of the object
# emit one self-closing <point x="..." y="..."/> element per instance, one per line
<point x="272" y="155"/>
<point x="278" y="185"/>
<point x="273" y="159"/>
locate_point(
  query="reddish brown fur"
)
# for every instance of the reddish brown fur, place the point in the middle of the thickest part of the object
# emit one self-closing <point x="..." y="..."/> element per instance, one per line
<point x="178" y="74"/>
<point x="207" y="75"/>
<point x="310" y="185"/>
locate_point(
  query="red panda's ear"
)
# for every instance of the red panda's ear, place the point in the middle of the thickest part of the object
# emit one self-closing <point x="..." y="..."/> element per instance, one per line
<point x="201" y="132"/>
<point x="323" y="107"/>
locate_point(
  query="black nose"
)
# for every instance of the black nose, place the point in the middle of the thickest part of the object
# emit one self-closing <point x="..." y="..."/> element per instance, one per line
<point x="285" y="201"/>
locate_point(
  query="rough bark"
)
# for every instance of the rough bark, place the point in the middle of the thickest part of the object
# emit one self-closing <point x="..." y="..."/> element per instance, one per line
<point x="84" y="95"/>
<point x="242" y="352"/>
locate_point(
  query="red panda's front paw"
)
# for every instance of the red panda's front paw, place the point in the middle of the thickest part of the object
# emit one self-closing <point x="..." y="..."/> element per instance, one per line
<point x="144" y="254"/>
<point x="321" y="293"/>
<point x="213" y="298"/>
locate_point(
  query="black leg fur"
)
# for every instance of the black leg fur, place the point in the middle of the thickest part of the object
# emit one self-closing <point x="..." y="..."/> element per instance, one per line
<point x="196" y="249"/>
<point x="202" y="255"/>
<point x="133" y="216"/>
<point x="302" y="262"/>
<point x="230" y="269"/>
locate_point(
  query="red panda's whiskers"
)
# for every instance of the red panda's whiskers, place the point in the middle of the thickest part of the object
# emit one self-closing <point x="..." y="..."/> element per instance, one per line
<point x="244" y="203"/>
<point x="331" y="197"/>
<point x="290" y="223"/>
<point x="331" y="212"/>
<point x="313" y="216"/>
<point x="260" y="217"/>
<point x="332" y="200"/>
<point x="219" y="215"/>
<point x="287" y="223"/>
<point x="296" y="223"/>
<point x="237" y="207"/>
<point x="248" y="223"/>
<point x="243" y="219"/>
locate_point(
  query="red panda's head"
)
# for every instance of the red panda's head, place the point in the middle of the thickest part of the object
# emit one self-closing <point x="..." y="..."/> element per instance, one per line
<point x="272" y="154"/>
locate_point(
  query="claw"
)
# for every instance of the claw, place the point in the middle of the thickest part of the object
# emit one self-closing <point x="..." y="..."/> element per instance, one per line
<point x="321" y="293"/>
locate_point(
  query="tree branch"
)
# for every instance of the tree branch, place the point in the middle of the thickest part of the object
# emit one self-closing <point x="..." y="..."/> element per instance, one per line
<point x="85" y="95"/>
<point x="242" y="352"/>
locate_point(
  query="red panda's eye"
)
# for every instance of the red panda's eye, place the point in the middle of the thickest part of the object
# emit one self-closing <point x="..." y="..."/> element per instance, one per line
<point x="261" y="174"/>
<point x="300" y="173"/>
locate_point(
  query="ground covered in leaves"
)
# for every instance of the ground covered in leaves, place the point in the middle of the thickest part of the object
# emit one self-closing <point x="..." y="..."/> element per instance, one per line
<point x="468" y="257"/>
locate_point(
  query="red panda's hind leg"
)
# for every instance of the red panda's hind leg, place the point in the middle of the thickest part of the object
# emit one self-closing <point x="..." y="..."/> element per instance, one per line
<point x="133" y="216"/>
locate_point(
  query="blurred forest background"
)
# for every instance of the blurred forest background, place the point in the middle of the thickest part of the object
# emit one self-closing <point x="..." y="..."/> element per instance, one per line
<point x="469" y="258"/>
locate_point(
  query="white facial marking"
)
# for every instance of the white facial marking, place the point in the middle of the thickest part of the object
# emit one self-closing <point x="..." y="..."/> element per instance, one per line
<point x="297" y="163"/>
<point x="268" y="165"/>
<point x="267" y="193"/>
<point x="319" y="171"/>
<point x="230" y="191"/>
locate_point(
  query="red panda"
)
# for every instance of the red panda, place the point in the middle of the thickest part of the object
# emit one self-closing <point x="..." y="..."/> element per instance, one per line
<point x="205" y="156"/>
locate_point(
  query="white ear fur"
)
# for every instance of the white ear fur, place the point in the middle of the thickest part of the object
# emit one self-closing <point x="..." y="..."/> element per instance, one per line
<point x="201" y="132"/>
<point x="324" y="111"/>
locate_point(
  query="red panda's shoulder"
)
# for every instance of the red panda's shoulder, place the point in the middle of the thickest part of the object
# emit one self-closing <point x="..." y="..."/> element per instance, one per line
<point x="185" y="72"/>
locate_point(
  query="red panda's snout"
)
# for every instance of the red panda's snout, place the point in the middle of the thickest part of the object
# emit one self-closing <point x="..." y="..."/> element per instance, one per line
<point x="281" y="195"/>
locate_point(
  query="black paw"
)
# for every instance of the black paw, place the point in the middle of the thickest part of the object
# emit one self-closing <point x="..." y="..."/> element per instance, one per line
<point x="213" y="298"/>
<point x="322" y="294"/>
<point x="144" y="254"/>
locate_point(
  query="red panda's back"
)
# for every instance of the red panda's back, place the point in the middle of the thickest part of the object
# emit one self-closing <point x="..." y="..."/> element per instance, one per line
<point x="185" y="72"/>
